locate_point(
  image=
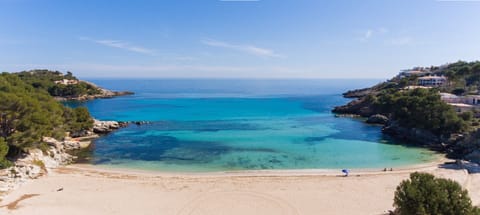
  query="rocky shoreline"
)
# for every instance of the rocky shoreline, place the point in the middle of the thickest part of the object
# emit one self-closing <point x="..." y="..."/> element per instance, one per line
<point x="38" y="162"/>
<point x="457" y="146"/>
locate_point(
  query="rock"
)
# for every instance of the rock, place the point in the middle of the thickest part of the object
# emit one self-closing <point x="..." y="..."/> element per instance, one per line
<point x="140" y="122"/>
<point x="103" y="127"/>
<point x="362" y="107"/>
<point x="414" y="135"/>
<point x="35" y="163"/>
<point x="377" y="119"/>
<point x="474" y="156"/>
<point x="81" y="133"/>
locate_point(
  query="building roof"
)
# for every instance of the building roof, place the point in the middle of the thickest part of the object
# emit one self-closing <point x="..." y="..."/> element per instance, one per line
<point x="448" y="95"/>
<point x="432" y="77"/>
<point x="460" y="105"/>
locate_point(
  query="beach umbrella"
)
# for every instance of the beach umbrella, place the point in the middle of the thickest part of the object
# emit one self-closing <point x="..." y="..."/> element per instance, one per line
<point x="345" y="171"/>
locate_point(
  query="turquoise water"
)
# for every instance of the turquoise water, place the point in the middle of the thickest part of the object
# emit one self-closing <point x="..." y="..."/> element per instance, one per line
<point x="218" y="125"/>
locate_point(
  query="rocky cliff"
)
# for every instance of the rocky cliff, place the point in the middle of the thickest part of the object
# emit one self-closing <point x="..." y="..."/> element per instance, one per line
<point x="35" y="163"/>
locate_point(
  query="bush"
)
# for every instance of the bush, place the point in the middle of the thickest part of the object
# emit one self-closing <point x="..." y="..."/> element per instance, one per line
<point x="3" y="153"/>
<point x="423" y="194"/>
<point x="423" y="109"/>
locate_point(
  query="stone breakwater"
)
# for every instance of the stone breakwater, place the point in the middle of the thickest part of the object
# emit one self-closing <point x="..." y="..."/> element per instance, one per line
<point x="35" y="163"/>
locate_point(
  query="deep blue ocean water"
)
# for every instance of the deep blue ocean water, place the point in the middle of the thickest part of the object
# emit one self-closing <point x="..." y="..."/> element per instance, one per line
<point x="219" y="125"/>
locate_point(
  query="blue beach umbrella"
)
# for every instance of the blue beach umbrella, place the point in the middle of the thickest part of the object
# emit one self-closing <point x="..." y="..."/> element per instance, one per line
<point x="345" y="171"/>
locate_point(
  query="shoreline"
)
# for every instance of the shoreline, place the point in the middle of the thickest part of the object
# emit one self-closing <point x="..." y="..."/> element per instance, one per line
<point x="270" y="172"/>
<point x="89" y="189"/>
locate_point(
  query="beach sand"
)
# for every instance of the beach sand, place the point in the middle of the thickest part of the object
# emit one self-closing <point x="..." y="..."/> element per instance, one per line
<point x="85" y="189"/>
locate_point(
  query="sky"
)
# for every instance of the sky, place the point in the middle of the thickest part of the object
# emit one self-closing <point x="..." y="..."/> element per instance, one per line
<point x="236" y="38"/>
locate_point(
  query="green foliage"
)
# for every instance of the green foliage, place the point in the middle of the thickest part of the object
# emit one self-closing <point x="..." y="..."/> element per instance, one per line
<point x="423" y="109"/>
<point x="463" y="75"/>
<point x="28" y="112"/>
<point x="423" y="194"/>
<point x="3" y="152"/>
<point x="467" y="116"/>
<point x="78" y="119"/>
<point x="45" y="80"/>
<point x="40" y="164"/>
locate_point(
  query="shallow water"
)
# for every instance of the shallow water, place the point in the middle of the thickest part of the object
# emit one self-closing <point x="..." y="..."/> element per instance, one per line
<point x="218" y="125"/>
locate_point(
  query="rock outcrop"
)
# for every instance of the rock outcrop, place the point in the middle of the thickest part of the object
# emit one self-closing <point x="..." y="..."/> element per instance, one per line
<point x="413" y="135"/>
<point x="361" y="107"/>
<point x="104" y="127"/>
<point x="377" y="119"/>
<point x="35" y="162"/>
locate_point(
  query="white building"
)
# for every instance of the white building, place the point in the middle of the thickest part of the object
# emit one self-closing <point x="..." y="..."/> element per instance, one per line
<point x="432" y="81"/>
<point x="461" y="103"/>
<point x="66" y="82"/>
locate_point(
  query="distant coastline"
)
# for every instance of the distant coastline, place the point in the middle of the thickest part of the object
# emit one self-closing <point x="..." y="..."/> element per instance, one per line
<point x="103" y="94"/>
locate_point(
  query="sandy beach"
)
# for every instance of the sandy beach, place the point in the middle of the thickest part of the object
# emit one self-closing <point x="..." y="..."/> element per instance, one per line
<point x="85" y="189"/>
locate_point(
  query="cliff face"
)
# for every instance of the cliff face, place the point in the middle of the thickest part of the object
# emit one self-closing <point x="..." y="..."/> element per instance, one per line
<point x="35" y="162"/>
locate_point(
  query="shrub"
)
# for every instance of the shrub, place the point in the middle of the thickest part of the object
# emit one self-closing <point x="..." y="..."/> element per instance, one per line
<point x="3" y="153"/>
<point x="423" y="109"/>
<point x="423" y="194"/>
<point x="40" y="164"/>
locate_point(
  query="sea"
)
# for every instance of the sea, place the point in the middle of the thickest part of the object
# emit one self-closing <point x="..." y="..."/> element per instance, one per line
<point x="210" y="125"/>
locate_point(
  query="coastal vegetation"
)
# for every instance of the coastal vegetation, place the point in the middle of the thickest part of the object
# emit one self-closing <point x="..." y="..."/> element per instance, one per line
<point x="28" y="112"/>
<point x="422" y="109"/>
<point x="49" y="81"/>
<point x="423" y="194"/>
<point x="418" y="113"/>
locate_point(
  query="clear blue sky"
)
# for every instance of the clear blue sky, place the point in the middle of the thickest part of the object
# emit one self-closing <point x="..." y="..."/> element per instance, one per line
<point x="243" y="38"/>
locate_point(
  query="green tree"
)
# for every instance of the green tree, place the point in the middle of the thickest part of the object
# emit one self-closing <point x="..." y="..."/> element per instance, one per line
<point x="78" y="120"/>
<point x="27" y="114"/>
<point x="423" y="194"/>
<point x="3" y="153"/>
<point x="421" y="108"/>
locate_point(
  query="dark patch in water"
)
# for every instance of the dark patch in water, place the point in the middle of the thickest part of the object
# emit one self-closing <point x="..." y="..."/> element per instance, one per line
<point x="315" y="139"/>
<point x="202" y="126"/>
<point x="103" y="161"/>
<point x="255" y="150"/>
<point x="157" y="148"/>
